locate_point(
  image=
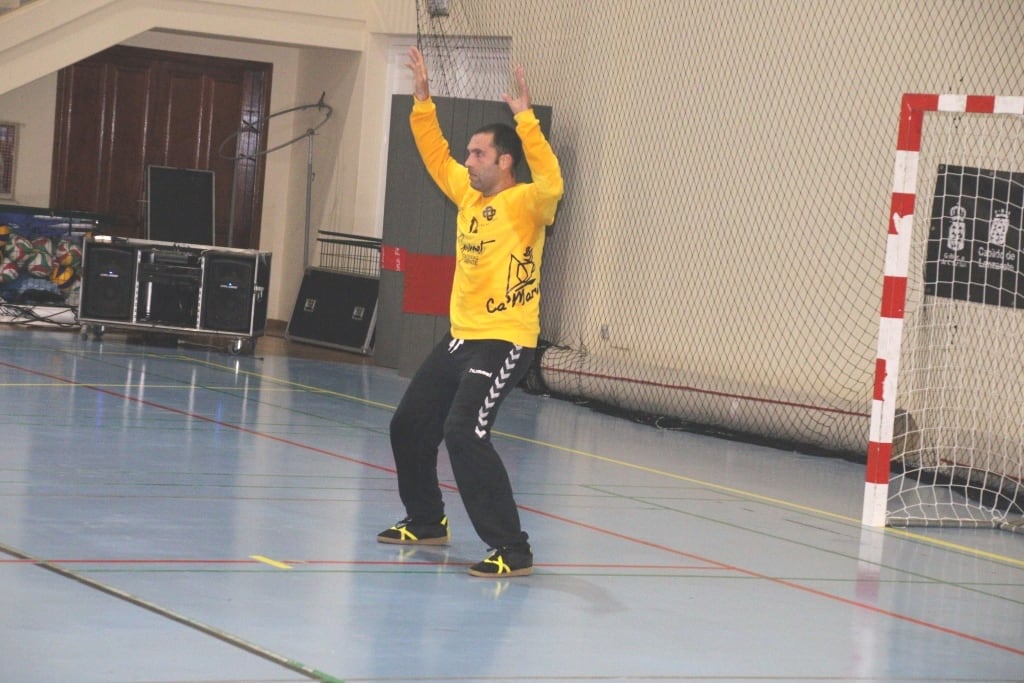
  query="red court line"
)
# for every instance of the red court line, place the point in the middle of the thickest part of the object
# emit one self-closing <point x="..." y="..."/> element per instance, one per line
<point x="781" y="582"/>
<point x="200" y="417"/>
<point x="583" y="525"/>
<point x="126" y="561"/>
<point x="340" y="563"/>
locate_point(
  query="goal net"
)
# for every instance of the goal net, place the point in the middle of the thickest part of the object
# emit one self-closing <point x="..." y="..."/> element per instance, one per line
<point x="947" y="443"/>
<point x="715" y="263"/>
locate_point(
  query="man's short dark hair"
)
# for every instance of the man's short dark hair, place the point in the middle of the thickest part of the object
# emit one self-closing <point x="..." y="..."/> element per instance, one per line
<point x="506" y="141"/>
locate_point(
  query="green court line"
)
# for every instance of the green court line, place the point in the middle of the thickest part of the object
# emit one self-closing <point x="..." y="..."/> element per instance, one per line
<point x="888" y="531"/>
<point x="290" y="664"/>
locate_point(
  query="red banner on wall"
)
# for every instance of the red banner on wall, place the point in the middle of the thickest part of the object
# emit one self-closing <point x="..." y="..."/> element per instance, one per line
<point x="428" y="279"/>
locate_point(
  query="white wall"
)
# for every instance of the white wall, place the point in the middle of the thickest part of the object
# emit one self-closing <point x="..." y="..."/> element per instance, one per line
<point x="315" y="46"/>
<point x="349" y="152"/>
<point x="32" y="107"/>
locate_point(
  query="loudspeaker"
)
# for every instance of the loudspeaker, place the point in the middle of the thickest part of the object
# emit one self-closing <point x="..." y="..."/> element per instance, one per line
<point x="335" y="309"/>
<point x="227" y="293"/>
<point x="177" y="287"/>
<point x="235" y="292"/>
<point x="108" y="281"/>
<point x="181" y="205"/>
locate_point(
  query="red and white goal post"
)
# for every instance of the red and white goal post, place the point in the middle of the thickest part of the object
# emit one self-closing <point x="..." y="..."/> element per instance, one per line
<point x="946" y="444"/>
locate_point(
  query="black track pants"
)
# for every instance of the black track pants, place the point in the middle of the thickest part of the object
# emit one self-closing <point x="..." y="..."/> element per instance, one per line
<point x="454" y="397"/>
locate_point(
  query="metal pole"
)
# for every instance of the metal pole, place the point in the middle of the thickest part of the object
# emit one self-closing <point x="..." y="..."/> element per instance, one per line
<point x="309" y="192"/>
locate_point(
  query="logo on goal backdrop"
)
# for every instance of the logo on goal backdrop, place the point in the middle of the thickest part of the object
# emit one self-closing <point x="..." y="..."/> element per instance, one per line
<point x="975" y="240"/>
<point x="957" y="234"/>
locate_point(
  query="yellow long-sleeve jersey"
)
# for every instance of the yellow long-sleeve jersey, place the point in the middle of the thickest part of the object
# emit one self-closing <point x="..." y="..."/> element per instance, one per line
<point x="500" y="240"/>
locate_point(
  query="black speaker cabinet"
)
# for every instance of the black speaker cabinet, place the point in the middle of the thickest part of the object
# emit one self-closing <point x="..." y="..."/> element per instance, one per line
<point x="108" y="281"/>
<point x="175" y="288"/>
<point x="235" y="292"/>
<point x="335" y="309"/>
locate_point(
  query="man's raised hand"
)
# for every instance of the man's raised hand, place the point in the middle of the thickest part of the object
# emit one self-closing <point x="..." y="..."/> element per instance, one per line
<point x="418" y="66"/>
<point x="522" y="102"/>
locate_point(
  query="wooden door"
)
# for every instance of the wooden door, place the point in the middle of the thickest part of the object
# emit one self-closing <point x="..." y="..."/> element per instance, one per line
<point x="125" y="109"/>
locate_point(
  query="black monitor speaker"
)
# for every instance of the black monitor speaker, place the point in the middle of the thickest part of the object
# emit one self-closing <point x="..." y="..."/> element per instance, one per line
<point x="335" y="309"/>
<point x="108" y="274"/>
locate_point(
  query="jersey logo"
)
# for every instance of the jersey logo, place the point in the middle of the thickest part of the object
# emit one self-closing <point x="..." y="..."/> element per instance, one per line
<point x="520" y="272"/>
<point x="521" y="286"/>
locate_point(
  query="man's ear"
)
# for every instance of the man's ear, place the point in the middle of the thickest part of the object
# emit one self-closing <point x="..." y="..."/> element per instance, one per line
<point x="506" y="163"/>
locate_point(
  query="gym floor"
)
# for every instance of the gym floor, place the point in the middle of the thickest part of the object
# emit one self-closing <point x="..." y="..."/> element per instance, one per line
<point x="182" y="514"/>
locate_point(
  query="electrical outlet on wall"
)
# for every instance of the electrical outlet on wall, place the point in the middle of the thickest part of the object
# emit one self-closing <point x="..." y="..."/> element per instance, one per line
<point x="617" y="336"/>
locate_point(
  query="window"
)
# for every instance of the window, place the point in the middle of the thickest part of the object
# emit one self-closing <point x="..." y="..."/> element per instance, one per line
<point x="8" y="158"/>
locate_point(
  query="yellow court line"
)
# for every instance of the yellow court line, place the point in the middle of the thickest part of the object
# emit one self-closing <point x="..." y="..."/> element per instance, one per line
<point x="272" y="563"/>
<point x="288" y="383"/>
<point x="689" y="480"/>
<point x="650" y="470"/>
<point x="147" y="385"/>
<point x="778" y="501"/>
<point x="956" y="546"/>
<point x="230" y="369"/>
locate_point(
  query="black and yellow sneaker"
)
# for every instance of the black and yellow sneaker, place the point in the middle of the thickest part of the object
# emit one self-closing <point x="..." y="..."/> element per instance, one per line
<point x="408" y="532"/>
<point x="504" y="562"/>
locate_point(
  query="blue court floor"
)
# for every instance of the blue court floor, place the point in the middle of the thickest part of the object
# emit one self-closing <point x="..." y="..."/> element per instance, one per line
<point x="182" y="514"/>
